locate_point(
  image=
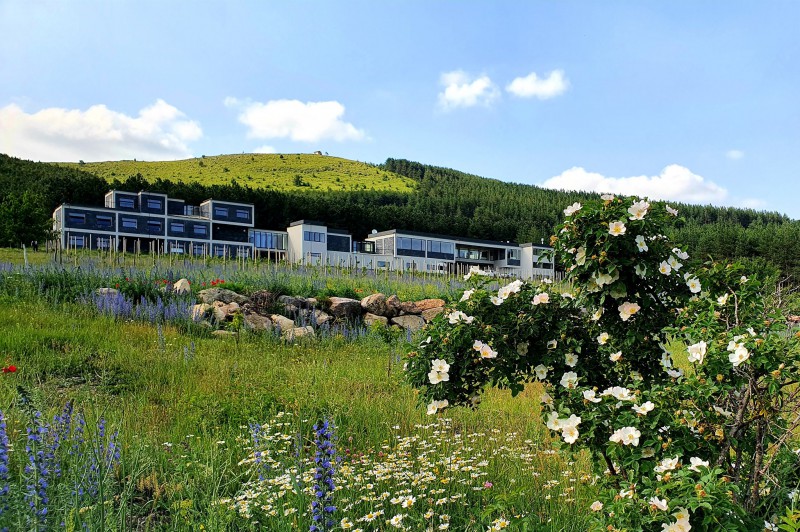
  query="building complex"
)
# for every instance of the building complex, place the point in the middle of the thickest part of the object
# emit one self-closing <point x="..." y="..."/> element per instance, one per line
<point x="155" y="223"/>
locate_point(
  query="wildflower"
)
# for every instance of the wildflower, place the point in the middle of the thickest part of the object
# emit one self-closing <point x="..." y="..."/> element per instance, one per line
<point x="659" y="504"/>
<point x="440" y="365"/>
<point x="674" y="264"/>
<point x="435" y="377"/>
<point x="467" y="295"/>
<point x="626" y="436"/>
<point x="499" y="524"/>
<point x="596" y="506"/>
<point x="697" y="352"/>
<point x="569" y="380"/>
<point x="488" y="352"/>
<point x="739" y="355"/>
<point x="607" y="197"/>
<point x="697" y="463"/>
<point x="590" y="395"/>
<point x="435" y="406"/>
<point x="597" y="315"/>
<point x="694" y="285"/>
<point x="638" y="210"/>
<point x="541" y="298"/>
<point x="322" y="507"/>
<point x="667" y="464"/>
<point x="458" y="317"/>
<point x="644" y="408"/>
<point x="614" y="357"/>
<point x="396" y="521"/>
<point x="522" y="348"/>
<point x="619" y="393"/>
<point x="580" y="256"/>
<point x="570" y="359"/>
<point x="680" y="254"/>
<point x="572" y="209"/>
<point x="665" y="268"/>
<point x="541" y="372"/>
<point x="640" y="270"/>
<point x="552" y="344"/>
<point x="603" y="338"/>
<point x="511" y="288"/>
<point x="628" y="309"/>
<point x="497" y="300"/>
<point x="671" y="211"/>
<point x="641" y="244"/>
<point x="616" y="228"/>
<point x="675" y="373"/>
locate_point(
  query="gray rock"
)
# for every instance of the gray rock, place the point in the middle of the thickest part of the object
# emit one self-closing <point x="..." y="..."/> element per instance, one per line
<point x="224" y="311"/>
<point x="410" y="322"/>
<point x="224" y="295"/>
<point x="256" y="322"/>
<point x="369" y="319"/>
<point x="345" y="308"/>
<point x="298" y="332"/>
<point x="319" y="317"/>
<point x="282" y="321"/>
<point x="200" y="311"/>
<point x="182" y="287"/>
<point x="393" y="305"/>
<point x="375" y="304"/>
<point x="431" y="313"/>
<point x="107" y="292"/>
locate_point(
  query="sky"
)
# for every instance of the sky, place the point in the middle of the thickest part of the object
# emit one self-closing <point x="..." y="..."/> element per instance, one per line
<point x="685" y="101"/>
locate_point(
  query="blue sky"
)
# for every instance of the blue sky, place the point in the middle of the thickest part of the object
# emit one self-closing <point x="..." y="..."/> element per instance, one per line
<point x="691" y="101"/>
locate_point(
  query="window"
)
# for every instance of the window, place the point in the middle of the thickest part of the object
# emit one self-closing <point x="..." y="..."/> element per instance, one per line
<point x="176" y="248"/>
<point x="244" y="214"/>
<point x="76" y="241"/>
<point x="102" y="243"/>
<point x="126" y="203"/>
<point x="383" y="264"/>
<point x="513" y="254"/>
<point x="103" y="221"/>
<point x="154" y="204"/>
<point x="200" y="230"/>
<point x="313" y="236"/>
<point x="219" y="251"/>
<point x="198" y="249"/>
<point x="413" y="244"/>
<point x="129" y="223"/>
<point x="153" y="226"/>
<point x="441" y="250"/>
<point x="76" y="218"/>
<point x="339" y="243"/>
<point x="221" y="211"/>
<point x="176" y="227"/>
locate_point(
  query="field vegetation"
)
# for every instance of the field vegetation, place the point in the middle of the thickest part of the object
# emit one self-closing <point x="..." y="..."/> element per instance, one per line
<point x="286" y="172"/>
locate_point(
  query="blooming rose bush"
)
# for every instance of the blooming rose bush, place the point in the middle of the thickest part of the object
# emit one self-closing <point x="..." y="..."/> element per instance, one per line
<point x="681" y="382"/>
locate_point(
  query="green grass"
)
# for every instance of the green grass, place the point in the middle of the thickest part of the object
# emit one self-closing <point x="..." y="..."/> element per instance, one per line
<point x="182" y="403"/>
<point x="275" y="171"/>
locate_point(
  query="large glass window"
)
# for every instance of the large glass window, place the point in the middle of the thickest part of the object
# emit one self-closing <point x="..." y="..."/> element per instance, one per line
<point x="313" y="236"/>
<point x="153" y="226"/>
<point x="129" y="223"/>
<point x="76" y="241"/>
<point x="221" y="211"/>
<point x="76" y="218"/>
<point x="154" y="204"/>
<point x="126" y="203"/>
<point x="176" y="227"/>
<point x="104" y="221"/>
<point x="243" y="214"/>
<point x="200" y="230"/>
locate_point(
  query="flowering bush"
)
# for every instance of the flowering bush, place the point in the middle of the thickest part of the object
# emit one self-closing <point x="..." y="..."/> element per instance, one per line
<point x="681" y="382"/>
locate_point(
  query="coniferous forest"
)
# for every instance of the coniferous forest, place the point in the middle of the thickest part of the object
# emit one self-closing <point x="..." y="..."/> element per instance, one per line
<point x="445" y="201"/>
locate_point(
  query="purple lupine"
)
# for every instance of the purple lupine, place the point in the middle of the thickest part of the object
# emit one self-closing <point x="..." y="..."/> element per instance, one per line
<point x="255" y="436"/>
<point x="4" y="448"/>
<point x="322" y="507"/>
<point x="37" y="472"/>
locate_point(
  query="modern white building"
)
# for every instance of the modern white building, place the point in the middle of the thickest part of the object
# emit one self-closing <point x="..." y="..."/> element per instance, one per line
<point x="151" y="222"/>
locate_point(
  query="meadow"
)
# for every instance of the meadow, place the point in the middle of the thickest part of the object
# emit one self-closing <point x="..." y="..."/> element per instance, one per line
<point x="157" y="425"/>
<point x="257" y="170"/>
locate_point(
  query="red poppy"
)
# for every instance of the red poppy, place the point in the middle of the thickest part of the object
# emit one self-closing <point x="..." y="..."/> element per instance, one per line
<point x="116" y="285"/>
<point x="12" y="368"/>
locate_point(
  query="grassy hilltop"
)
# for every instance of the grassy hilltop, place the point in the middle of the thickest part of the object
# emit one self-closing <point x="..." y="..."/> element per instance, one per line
<point x="259" y="171"/>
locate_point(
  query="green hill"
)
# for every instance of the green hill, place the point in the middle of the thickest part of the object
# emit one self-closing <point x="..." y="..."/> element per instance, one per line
<point x="258" y="171"/>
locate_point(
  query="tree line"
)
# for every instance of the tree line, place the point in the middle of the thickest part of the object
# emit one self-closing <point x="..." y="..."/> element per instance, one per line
<point x="446" y="202"/>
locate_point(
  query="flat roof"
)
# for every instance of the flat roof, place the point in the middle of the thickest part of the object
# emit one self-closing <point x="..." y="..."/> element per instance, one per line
<point x="466" y="240"/>
<point x="307" y="222"/>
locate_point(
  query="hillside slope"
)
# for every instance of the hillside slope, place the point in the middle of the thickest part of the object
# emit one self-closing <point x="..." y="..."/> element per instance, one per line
<point x="259" y="171"/>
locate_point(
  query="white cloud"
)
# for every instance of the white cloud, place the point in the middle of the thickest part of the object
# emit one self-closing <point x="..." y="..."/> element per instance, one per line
<point x="159" y="132"/>
<point x="532" y="86"/>
<point x="753" y="203"/>
<point x="675" y="182"/>
<point x="295" y="120"/>
<point x="265" y="149"/>
<point x="734" y="155"/>
<point x="460" y="90"/>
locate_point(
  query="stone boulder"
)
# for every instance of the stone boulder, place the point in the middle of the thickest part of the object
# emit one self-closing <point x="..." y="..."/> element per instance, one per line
<point x="200" y="311"/>
<point x="375" y="304"/>
<point x="408" y="307"/>
<point x="369" y="319"/>
<point x="298" y="332"/>
<point x="393" y="305"/>
<point x="431" y="313"/>
<point x="210" y="295"/>
<point x="315" y="317"/>
<point x="345" y="308"/>
<point x="293" y="306"/>
<point x="257" y="322"/>
<point x="262" y="302"/>
<point x="182" y="287"/>
<point x="410" y="322"/>
<point x="427" y="304"/>
<point x="107" y="292"/>
<point x="282" y="322"/>
<point x="224" y="311"/>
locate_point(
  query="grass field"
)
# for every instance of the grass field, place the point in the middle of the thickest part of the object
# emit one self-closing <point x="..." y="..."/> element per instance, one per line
<point x="217" y="433"/>
<point x="276" y="171"/>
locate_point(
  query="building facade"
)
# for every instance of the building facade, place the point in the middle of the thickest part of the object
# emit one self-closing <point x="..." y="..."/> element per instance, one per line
<point x="154" y="223"/>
